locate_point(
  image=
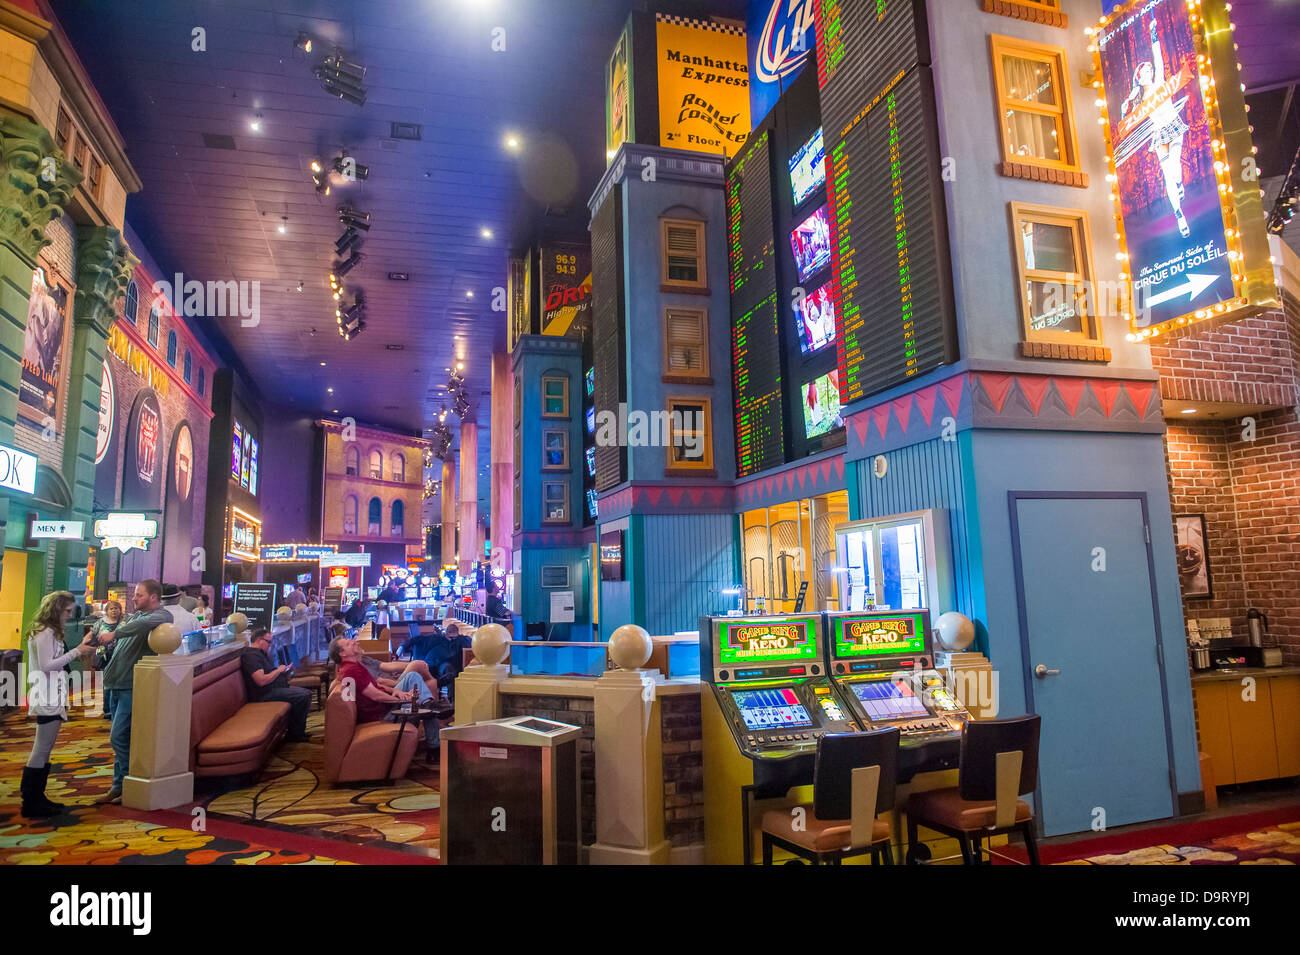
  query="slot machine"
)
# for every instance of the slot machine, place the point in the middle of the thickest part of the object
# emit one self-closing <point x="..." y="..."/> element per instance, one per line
<point x="883" y="664"/>
<point x="768" y="701"/>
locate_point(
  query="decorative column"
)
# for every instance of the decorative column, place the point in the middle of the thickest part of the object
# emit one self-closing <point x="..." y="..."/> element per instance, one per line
<point x="104" y="267"/>
<point x="448" y="495"/>
<point x="629" y="757"/>
<point x="468" y="495"/>
<point x="158" y="776"/>
<point x="35" y="183"/>
<point x="478" y="688"/>
<point x="502" y="476"/>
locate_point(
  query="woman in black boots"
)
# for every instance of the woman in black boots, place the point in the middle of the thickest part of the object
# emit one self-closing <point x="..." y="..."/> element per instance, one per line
<point x="47" y="694"/>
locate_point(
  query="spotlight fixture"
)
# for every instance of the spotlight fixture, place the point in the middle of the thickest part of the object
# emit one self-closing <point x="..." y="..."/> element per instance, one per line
<point x="485" y="233"/>
<point x="300" y="285"/>
<point x="354" y="218"/>
<point x="346" y="240"/>
<point x="256" y="124"/>
<point x="316" y="166"/>
<point x="303" y="42"/>
<point x="346" y="266"/>
<point x="284" y="225"/>
<point x="354" y="332"/>
<point x="349" y="168"/>
<point x="322" y="181"/>
<point x="342" y="79"/>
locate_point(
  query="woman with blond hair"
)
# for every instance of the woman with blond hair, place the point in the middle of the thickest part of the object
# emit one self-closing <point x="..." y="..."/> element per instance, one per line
<point x="47" y="694"/>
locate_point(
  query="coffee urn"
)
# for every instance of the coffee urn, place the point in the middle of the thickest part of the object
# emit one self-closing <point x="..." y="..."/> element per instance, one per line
<point x="1257" y="622"/>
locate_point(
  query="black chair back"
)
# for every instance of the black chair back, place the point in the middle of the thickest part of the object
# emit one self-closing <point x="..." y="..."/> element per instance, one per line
<point x="838" y="754"/>
<point x="982" y="740"/>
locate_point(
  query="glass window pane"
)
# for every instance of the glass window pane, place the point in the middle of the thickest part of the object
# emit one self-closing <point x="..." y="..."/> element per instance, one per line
<point x="1032" y="135"/>
<point x="1030" y="81"/>
<point x="860" y="567"/>
<point x="1055" y="306"/>
<point x="902" y="564"/>
<point x="1048" y="247"/>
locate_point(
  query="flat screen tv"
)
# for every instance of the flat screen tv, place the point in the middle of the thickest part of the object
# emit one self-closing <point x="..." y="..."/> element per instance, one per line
<point x="814" y="316"/>
<point x="611" y="555"/>
<point x="808" y="168"/>
<point x="811" y="244"/>
<point x="821" y="405"/>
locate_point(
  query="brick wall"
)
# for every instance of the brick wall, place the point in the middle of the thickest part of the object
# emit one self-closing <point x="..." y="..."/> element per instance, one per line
<point x="683" y="769"/>
<point x="1247" y="486"/>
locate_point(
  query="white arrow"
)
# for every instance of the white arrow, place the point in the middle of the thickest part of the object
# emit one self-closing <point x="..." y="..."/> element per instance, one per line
<point x="1194" y="286"/>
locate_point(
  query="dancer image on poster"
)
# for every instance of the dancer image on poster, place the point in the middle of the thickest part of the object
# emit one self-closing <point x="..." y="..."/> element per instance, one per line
<point x="1163" y="125"/>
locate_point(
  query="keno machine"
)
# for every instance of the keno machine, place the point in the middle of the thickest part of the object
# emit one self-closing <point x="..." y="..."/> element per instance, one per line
<point x="882" y="661"/>
<point x="768" y="702"/>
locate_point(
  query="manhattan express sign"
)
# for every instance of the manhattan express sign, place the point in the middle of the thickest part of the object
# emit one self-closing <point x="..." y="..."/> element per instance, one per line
<point x="703" y="85"/>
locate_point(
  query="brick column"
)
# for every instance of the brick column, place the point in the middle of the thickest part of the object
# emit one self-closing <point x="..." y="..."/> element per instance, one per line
<point x="104" y="267"/>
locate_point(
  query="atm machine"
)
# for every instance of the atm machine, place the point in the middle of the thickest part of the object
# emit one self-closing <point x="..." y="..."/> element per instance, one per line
<point x="883" y="664"/>
<point x="768" y="700"/>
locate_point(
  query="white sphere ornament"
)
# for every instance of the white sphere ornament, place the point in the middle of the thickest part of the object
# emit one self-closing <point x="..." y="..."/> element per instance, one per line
<point x="237" y="623"/>
<point x="284" y="613"/>
<point x="955" y="631"/>
<point x="630" y="647"/>
<point x="165" y="638"/>
<point x="313" y="608"/>
<point x="381" y="604"/>
<point x="490" y="643"/>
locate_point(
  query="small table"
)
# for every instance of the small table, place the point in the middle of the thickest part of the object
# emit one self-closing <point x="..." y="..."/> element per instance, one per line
<point x="410" y="713"/>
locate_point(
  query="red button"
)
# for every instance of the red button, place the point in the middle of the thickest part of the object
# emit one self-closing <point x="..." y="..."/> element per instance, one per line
<point x="794" y="670"/>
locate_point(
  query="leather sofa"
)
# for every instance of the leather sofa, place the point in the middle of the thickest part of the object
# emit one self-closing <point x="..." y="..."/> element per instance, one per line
<point x="357" y="752"/>
<point x="230" y="736"/>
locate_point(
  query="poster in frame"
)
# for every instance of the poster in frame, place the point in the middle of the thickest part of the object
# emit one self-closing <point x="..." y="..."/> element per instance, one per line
<point x="1191" y="549"/>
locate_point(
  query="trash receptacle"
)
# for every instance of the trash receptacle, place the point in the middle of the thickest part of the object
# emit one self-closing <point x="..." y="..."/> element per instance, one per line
<point x="510" y="793"/>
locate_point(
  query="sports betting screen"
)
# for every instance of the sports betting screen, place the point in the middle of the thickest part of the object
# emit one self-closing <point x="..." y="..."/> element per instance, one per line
<point x="821" y="405"/>
<point x="808" y="168"/>
<point x="890" y="269"/>
<point x="755" y="340"/>
<point x="879" y="635"/>
<point x="811" y="244"/>
<point x="814" y="315"/>
<point x="747" y="641"/>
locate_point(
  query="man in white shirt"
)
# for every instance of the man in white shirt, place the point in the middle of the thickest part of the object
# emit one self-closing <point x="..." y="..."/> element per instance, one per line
<point x="171" y="602"/>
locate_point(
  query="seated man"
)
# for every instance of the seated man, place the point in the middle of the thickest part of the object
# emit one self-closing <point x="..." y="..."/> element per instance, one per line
<point x="388" y="672"/>
<point x="271" y="683"/>
<point x="445" y="658"/>
<point x="372" y="700"/>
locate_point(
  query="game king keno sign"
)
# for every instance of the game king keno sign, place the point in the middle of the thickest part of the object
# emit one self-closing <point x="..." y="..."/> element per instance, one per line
<point x="703" y="85"/>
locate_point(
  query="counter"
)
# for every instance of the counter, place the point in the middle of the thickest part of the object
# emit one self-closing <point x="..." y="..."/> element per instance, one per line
<point x="1233" y="675"/>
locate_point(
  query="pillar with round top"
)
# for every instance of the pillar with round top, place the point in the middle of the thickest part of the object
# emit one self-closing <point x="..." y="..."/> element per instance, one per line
<point x="158" y="776"/>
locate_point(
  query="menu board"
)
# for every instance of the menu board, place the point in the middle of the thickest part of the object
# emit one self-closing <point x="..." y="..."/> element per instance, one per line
<point x="891" y="275"/>
<point x="257" y="601"/>
<point x="755" y="339"/>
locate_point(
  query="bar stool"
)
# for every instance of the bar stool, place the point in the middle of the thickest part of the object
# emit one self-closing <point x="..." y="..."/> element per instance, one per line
<point x="998" y="764"/>
<point x="854" y="779"/>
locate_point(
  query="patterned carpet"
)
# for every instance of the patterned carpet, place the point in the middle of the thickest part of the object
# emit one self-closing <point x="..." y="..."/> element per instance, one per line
<point x="288" y="816"/>
<point x="1274" y="845"/>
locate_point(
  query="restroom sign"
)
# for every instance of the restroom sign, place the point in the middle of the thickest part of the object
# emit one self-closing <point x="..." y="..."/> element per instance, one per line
<point x="57" y="530"/>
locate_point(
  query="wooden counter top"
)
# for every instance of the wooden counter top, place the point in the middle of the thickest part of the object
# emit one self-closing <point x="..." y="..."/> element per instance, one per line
<point x="1232" y="675"/>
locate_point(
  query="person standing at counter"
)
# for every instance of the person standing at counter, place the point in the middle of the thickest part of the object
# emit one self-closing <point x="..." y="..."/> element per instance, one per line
<point x="295" y="599"/>
<point x="185" y="621"/>
<point x="47" y="695"/>
<point x="130" y="644"/>
<point x="203" y="612"/>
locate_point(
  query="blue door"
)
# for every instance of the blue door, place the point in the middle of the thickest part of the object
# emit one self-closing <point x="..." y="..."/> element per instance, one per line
<point x="1084" y="580"/>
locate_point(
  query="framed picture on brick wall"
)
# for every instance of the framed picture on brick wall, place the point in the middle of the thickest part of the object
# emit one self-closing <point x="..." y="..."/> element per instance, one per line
<point x="1192" y="550"/>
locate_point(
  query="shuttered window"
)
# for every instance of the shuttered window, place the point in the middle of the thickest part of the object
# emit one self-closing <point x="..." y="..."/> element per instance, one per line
<point x="683" y="253"/>
<point x="686" y="342"/>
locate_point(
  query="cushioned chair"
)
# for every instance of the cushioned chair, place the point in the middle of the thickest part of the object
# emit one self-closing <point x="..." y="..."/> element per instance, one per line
<point x="309" y="676"/>
<point x="356" y="752"/>
<point x="998" y="764"/>
<point x="228" y="735"/>
<point x="854" y="779"/>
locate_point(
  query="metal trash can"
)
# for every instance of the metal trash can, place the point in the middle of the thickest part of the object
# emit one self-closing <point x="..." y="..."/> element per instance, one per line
<point x="510" y="793"/>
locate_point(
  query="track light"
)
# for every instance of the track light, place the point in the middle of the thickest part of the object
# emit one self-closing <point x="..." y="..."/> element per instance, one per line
<point x="354" y="218"/>
<point x="342" y="79"/>
<point x="303" y="42"/>
<point x="349" y="335"/>
<point x="349" y="168"/>
<point x="346" y="241"/>
<point x="343" y="268"/>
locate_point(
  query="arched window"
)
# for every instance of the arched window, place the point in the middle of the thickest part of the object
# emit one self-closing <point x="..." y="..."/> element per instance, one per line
<point x="399" y="468"/>
<point x="352" y="461"/>
<point x="132" y="302"/>
<point x="350" y="514"/>
<point x="189" y="367"/>
<point x="376" y="516"/>
<point x="171" y="349"/>
<point x="200" y="381"/>
<point x="397" y="520"/>
<point x="376" y="465"/>
<point x="153" y="326"/>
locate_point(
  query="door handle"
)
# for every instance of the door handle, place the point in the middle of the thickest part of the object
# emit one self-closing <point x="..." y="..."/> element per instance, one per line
<point x="1043" y="673"/>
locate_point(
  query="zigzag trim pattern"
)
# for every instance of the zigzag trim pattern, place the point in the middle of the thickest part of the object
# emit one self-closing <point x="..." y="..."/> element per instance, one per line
<point x="700" y="24"/>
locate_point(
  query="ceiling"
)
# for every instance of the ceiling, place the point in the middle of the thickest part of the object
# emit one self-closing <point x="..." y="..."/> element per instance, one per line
<point x="214" y="213"/>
